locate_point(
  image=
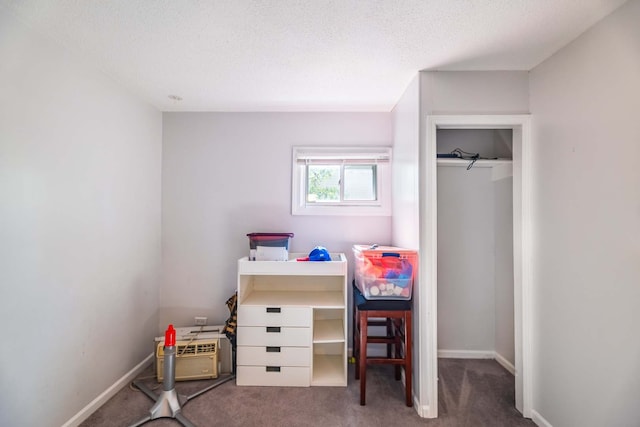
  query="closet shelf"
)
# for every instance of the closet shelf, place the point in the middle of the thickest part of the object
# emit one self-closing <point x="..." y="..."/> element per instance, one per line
<point x="480" y="163"/>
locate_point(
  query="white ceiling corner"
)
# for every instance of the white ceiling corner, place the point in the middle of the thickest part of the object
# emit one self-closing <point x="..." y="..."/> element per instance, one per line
<point x="293" y="55"/>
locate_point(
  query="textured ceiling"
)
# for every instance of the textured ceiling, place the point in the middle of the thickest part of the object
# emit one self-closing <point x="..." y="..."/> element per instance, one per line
<point x="302" y="55"/>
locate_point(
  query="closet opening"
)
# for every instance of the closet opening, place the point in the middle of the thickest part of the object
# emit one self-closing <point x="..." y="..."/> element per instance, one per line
<point x="475" y="263"/>
<point x="475" y="247"/>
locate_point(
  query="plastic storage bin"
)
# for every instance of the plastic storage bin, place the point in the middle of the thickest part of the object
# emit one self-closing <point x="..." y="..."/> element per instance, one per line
<point x="269" y="246"/>
<point x="384" y="272"/>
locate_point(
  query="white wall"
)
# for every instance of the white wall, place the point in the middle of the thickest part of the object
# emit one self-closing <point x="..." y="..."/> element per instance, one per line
<point x="466" y="259"/>
<point x="453" y="92"/>
<point x="474" y="92"/>
<point x="504" y="332"/>
<point x="79" y="230"/>
<point x="406" y="137"/>
<point x="229" y="174"/>
<point x="434" y="92"/>
<point x="489" y="143"/>
<point x="406" y="195"/>
<point x="585" y="102"/>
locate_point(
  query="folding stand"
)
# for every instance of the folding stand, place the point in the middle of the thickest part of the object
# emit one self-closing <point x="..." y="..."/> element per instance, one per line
<point x="169" y="403"/>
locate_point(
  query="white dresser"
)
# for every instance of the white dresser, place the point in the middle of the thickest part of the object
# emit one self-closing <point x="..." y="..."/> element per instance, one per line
<point x="292" y="322"/>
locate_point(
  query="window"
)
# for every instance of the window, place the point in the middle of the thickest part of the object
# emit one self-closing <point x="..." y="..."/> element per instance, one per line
<point x="341" y="181"/>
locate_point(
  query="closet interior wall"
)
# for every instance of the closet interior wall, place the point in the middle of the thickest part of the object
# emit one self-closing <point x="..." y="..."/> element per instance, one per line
<point x="475" y="249"/>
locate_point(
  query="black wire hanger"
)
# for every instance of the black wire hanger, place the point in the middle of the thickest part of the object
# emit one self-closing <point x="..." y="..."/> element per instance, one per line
<point x="465" y="155"/>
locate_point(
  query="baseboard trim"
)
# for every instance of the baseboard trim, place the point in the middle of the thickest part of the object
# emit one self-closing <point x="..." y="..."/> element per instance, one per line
<point x="96" y="403"/>
<point x="478" y="354"/>
<point x="539" y="419"/>
<point x="422" y="410"/>
<point x="505" y="363"/>
<point x="466" y="354"/>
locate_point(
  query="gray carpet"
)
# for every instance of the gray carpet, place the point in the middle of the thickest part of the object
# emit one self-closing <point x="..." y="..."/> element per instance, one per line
<point x="473" y="393"/>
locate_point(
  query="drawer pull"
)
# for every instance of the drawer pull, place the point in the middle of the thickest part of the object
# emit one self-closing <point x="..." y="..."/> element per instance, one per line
<point x="275" y="329"/>
<point x="273" y="309"/>
<point x="272" y="368"/>
<point x="273" y="349"/>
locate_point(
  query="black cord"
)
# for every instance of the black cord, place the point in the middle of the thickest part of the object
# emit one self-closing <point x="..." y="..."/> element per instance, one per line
<point x="464" y="155"/>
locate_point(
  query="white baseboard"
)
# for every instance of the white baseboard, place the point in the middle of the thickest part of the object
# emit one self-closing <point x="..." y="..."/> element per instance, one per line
<point x="466" y="354"/>
<point x="505" y="363"/>
<point x="478" y="354"/>
<point x="96" y="403"/>
<point x="422" y="410"/>
<point x="539" y="419"/>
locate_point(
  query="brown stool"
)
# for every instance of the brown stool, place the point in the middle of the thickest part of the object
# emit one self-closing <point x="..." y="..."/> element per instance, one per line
<point x="395" y="315"/>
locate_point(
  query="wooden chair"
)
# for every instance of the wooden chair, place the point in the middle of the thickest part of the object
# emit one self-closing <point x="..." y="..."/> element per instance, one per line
<point x="395" y="316"/>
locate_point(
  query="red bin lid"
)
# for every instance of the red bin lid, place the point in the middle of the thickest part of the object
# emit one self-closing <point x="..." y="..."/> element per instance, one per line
<point x="268" y="236"/>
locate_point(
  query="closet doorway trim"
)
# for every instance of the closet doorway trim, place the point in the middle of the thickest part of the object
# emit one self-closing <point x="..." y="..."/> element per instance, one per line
<point x="428" y="297"/>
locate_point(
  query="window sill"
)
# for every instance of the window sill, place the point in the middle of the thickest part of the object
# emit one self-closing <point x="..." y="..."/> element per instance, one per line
<point x="342" y="210"/>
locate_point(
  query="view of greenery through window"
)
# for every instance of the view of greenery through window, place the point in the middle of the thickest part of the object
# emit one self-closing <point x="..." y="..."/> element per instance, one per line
<point x="324" y="183"/>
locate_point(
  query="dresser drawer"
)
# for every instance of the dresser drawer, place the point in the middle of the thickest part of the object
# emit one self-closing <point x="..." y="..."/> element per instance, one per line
<point x="273" y="336"/>
<point x="259" y="315"/>
<point x="293" y="376"/>
<point x="274" y="356"/>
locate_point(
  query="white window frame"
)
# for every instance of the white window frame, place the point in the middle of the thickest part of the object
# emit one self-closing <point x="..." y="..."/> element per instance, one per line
<point x="380" y="156"/>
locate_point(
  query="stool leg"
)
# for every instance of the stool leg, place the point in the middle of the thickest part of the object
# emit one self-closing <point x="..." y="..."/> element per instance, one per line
<point x="397" y="342"/>
<point x="389" y="333"/>
<point x="356" y="341"/>
<point x="408" y="353"/>
<point x="362" y="365"/>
